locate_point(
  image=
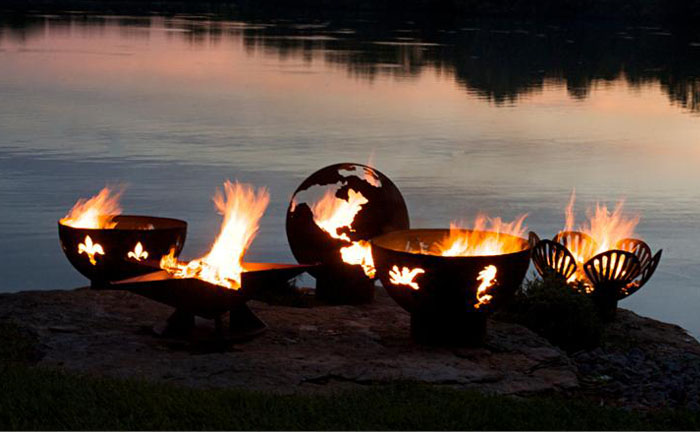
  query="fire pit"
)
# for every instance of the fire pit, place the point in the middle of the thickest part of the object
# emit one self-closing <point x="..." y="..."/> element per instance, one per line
<point x="448" y="287"/>
<point x="331" y="218"/>
<point x="602" y="258"/>
<point x="105" y="246"/>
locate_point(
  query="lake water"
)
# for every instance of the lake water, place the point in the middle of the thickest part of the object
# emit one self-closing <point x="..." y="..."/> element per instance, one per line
<point x="494" y="117"/>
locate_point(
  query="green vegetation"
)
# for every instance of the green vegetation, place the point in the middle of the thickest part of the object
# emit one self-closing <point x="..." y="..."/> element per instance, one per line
<point x="39" y="398"/>
<point x="566" y="317"/>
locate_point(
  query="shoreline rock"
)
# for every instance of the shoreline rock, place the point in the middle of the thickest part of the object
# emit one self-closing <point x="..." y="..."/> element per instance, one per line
<point x="643" y="363"/>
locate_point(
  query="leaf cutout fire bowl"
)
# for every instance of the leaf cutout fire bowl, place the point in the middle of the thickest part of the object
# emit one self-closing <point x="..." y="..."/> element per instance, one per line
<point x="448" y="297"/>
<point x="108" y="254"/>
<point x="608" y="276"/>
<point x="331" y="218"/>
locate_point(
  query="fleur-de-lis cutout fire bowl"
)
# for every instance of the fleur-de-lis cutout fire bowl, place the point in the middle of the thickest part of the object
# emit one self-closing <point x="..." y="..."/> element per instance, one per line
<point x="90" y="249"/>
<point x="608" y="276"/>
<point x="138" y="253"/>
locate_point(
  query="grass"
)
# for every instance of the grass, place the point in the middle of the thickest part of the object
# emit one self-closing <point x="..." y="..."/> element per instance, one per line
<point x="38" y="398"/>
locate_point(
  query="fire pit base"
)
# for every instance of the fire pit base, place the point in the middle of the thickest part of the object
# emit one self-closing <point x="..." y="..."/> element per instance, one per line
<point x="468" y="329"/>
<point x="343" y="291"/>
<point x="243" y="326"/>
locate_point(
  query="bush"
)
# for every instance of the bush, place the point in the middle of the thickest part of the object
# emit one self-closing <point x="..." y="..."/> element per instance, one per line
<point x="562" y="314"/>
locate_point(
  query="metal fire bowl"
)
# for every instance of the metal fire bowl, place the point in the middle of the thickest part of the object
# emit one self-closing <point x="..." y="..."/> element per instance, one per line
<point x="157" y="235"/>
<point x="385" y="212"/>
<point x="606" y="271"/>
<point x="449" y="284"/>
<point x="205" y="299"/>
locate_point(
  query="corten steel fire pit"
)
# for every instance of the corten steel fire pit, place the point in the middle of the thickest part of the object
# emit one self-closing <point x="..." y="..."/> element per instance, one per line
<point x="608" y="277"/>
<point x="331" y="218"/>
<point x="192" y="297"/>
<point x="448" y="297"/>
<point x="109" y="254"/>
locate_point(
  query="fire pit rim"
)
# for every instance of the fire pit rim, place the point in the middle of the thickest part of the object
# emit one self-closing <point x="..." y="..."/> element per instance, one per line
<point x="174" y="223"/>
<point x="377" y="241"/>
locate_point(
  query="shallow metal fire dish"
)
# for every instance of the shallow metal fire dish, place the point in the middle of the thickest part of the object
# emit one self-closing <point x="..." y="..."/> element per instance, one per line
<point x="109" y="254"/>
<point x="448" y="297"/>
<point x="192" y="297"/>
<point x="340" y="207"/>
<point x="608" y="277"/>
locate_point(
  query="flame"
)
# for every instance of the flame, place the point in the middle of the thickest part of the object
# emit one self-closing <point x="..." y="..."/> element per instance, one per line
<point x="96" y="212"/>
<point x="138" y="253"/>
<point x="360" y="253"/>
<point x="484" y="239"/>
<point x="405" y="276"/>
<point x="487" y="276"/>
<point x="606" y="228"/>
<point x="242" y="207"/>
<point x="90" y="249"/>
<point x="332" y="214"/>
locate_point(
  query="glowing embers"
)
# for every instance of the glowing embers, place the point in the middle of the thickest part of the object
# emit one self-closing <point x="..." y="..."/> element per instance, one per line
<point x="90" y="249"/>
<point x="603" y="257"/>
<point x="405" y="276"/>
<point x="138" y="253"/>
<point x="487" y="277"/>
<point x="242" y="207"/>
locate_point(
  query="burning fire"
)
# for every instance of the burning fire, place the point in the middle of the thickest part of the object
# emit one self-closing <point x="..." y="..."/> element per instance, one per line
<point x="332" y="215"/>
<point x="484" y="239"/>
<point x="138" y="253"/>
<point x="487" y="276"/>
<point x="604" y="227"/>
<point x="405" y="276"/>
<point x="242" y="207"/>
<point x="90" y="249"/>
<point x="96" y="212"/>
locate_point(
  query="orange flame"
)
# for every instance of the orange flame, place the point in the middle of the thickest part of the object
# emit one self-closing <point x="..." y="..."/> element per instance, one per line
<point x="90" y="249"/>
<point x="96" y="212"/>
<point x="332" y="214"/>
<point x="405" y="276"/>
<point x="485" y="238"/>
<point x="487" y="276"/>
<point x="138" y="253"/>
<point x="604" y="227"/>
<point x="242" y="207"/>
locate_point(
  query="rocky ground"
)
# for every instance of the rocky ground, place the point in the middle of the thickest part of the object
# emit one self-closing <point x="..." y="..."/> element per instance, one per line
<point x="643" y="363"/>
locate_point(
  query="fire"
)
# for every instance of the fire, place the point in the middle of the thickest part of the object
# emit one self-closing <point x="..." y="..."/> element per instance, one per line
<point x="90" y="249"/>
<point x="484" y="239"/>
<point x="138" y="253"/>
<point x="96" y="212"/>
<point x="242" y="207"/>
<point x="332" y="214"/>
<point x="360" y="253"/>
<point x="606" y="228"/>
<point x="487" y="276"/>
<point x="405" y="276"/>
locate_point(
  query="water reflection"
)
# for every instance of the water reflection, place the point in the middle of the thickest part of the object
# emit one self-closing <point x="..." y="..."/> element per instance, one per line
<point x="499" y="61"/>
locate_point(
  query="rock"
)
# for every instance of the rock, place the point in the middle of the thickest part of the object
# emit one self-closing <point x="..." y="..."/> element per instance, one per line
<point x="312" y="349"/>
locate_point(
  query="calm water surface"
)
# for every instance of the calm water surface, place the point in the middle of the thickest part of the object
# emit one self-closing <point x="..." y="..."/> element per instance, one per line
<point x="482" y="117"/>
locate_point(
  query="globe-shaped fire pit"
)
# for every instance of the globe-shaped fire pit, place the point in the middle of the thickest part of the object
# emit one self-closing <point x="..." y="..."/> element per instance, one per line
<point x="121" y="251"/>
<point x="331" y="218"/>
<point x="608" y="276"/>
<point x="448" y="297"/>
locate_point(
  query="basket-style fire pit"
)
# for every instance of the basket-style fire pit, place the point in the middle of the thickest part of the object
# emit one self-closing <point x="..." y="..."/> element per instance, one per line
<point x="331" y="218"/>
<point x="608" y="276"/>
<point x="448" y="297"/>
<point x="603" y="258"/>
